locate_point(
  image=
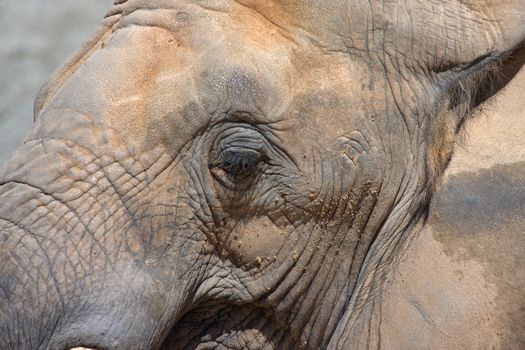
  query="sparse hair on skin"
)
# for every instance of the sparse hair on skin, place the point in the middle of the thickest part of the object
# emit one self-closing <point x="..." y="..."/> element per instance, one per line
<point x="462" y="96"/>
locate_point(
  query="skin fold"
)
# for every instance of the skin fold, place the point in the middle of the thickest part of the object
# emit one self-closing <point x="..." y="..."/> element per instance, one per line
<point x="225" y="174"/>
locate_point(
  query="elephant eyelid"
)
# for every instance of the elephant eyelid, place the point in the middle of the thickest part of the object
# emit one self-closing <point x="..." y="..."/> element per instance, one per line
<point x="237" y="161"/>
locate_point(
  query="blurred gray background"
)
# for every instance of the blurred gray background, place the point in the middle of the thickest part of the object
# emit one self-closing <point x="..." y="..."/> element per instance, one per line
<point x="36" y="37"/>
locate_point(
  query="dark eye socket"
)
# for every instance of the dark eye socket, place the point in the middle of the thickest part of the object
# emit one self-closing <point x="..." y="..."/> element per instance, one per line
<point x="239" y="155"/>
<point x="238" y="162"/>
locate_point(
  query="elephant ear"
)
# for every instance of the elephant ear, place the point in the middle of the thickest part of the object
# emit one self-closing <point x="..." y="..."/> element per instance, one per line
<point x="464" y="93"/>
<point x="57" y="79"/>
<point x="488" y="54"/>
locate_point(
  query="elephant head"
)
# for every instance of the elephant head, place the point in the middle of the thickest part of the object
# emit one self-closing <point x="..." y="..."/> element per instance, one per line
<point x="238" y="174"/>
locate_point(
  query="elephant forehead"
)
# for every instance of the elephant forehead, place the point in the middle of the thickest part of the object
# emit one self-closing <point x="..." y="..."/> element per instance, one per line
<point x="158" y="85"/>
<point x="320" y="21"/>
<point x="274" y="10"/>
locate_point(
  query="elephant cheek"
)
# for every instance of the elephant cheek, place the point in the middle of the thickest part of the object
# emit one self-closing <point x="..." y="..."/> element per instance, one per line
<point x="256" y="242"/>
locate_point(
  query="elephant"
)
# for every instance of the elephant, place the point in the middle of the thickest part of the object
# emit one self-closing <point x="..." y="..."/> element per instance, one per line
<point x="240" y="174"/>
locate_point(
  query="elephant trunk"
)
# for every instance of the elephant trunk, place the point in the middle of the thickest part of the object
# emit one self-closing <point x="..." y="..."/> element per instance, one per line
<point x="73" y="268"/>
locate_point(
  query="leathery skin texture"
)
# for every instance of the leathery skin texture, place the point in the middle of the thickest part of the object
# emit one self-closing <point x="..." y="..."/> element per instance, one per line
<point x="228" y="174"/>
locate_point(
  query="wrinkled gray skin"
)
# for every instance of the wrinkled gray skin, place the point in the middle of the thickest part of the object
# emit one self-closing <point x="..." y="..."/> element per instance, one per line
<point x="247" y="175"/>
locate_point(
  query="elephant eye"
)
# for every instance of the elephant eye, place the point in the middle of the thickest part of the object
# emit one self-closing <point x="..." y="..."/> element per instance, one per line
<point x="238" y="155"/>
<point x="236" y="168"/>
<point x="239" y="162"/>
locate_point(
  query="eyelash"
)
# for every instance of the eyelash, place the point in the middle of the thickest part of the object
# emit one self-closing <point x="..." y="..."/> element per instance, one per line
<point x="241" y="162"/>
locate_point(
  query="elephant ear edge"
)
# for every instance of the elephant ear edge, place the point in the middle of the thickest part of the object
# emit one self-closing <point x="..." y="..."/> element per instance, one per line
<point x="57" y="79"/>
